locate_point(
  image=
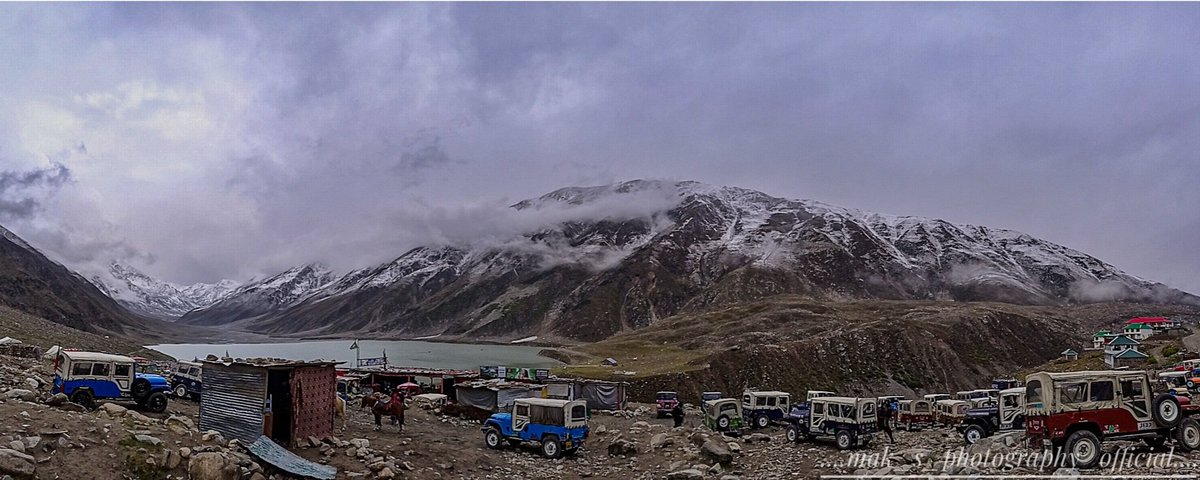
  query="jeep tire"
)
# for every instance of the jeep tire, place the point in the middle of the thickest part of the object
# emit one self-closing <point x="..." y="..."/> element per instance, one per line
<point x="723" y="423"/>
<point x="84" y="398"/>
<point x="181" y="391"/>
<point x="1084" y="449"/>
<point x="793" y="434"/>
<point x="1166" y="411"/>
<point x="762" y="421"/>
<point x="844" y="440"/>
<point x="140" y="390"/>
<point x="551" y="447"/>
<point x="1188" y="435"/>
<point x="156" y="402"/>
<point x="491" y="438"/>
<point x="973" y="434"/>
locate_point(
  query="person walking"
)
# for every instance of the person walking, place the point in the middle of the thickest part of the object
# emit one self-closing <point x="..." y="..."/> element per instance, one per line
<point x="677" y="414"/>
<point x="885" y="420"/>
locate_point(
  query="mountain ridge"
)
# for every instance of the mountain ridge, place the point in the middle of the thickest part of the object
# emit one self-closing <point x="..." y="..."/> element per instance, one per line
<point x="618" y="257"/>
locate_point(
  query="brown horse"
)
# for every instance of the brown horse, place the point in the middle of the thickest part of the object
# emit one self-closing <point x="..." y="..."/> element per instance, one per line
<point x="392" y="408"/>
<point x="369" y="401"/>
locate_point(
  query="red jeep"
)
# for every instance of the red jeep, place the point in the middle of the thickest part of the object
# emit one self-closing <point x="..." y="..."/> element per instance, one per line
<point x="1076" y="411"/>
<point x="666" y="402"/>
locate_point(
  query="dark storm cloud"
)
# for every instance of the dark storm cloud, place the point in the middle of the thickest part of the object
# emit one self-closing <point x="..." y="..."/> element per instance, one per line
<point x="275" y="134"/>
<point x="18" y="189"/>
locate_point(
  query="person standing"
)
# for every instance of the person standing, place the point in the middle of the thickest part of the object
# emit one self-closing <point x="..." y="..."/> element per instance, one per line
<point x="677" y="414"/>
<point x="885" y="420"/>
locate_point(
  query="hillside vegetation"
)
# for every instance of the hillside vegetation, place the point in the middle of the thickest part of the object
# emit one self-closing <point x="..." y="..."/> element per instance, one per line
<point x="795" y="344"/>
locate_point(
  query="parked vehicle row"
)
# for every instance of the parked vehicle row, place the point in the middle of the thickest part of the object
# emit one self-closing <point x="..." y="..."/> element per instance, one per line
<point x="87" y="377"/>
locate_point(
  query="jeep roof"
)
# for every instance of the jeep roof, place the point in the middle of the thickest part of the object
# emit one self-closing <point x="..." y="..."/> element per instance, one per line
<point x="765" y="392"/>
<point x="1009" y="391"/>
<point x="546" y="402"/>
<point x="853" y="400"/>
<point x="1085" y="375"/>
<point x="94" y="357"/>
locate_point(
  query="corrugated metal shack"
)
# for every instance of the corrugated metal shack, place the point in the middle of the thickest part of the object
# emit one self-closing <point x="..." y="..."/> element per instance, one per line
<point x="282" y="399"/>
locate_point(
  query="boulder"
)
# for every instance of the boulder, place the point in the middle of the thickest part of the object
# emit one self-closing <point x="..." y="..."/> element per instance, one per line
<point x="758" y="437"/>
<point x="147" y="439"/>
<point x="185" y="452"/>
<point x="735" y="447"/>
<point x="689" y="474"/>
<point x="212" y="466"/>
<point x="182" y="422"/>
<point x="114" y="409"/>
<point x="621" y="446"/>
<point x="139" y="418"/>
<point x="717" y="450"/>
<point x="57" y="400"/>
<point x="385" y="473"/>
<point x="16" y="463"/>
<point x="22" y="394"/>
<point x="17" y="445"/>
<point x="171" y="460"/>
<point x="33" y="383"/>
<point x="32" y="442"/>
<point x="698" y="438"/>
<point x="660" y="440"/>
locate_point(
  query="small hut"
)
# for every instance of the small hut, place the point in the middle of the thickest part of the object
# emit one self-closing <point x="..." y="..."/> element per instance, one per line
<point x="285" y="400"/>
<point x="1070" y="354"/>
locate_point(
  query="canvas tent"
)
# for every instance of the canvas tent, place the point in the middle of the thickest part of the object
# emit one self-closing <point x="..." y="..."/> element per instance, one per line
<point x="601" y="395"/>
<point x="495" y="396"/>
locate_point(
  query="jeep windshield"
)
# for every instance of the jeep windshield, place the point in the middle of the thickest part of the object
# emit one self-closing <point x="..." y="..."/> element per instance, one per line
<point x="666" y="396"/>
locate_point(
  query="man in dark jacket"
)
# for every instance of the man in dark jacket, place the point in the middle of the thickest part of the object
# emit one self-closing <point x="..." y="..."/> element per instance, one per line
<point x="677" y="414"/>
<point x="885" y="420"/>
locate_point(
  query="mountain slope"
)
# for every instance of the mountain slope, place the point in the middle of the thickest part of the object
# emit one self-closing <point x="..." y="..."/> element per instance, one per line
<point x="262" y="297"/>
<point x="611" y="261"/>
<point x="146" y="295"/>
<point x="32" y="283"/>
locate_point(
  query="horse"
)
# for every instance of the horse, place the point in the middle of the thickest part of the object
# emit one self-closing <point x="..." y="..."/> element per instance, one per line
<point x="369" y="401"/>
<point x="393" y="408"/>
<point x="339" y="409"/>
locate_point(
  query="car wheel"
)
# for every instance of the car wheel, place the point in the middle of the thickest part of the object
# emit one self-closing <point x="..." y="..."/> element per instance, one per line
<point x="1166" y="411"/>
<point x="491" y="438"/>
<point x="1188" y="435"/>
<point x="84" y="397"/>
<point x="844" y="440"/>
<point x="157" y="403"/>
<point x="973" y="434"/>
<point x="551" y="447"/>
<point x="793" y="435"/>
<point x="762" y="421"/>
<point x="723" y="423"/>
<point x="1084" y="449"/>
<point x="140" y="389"/>
<point x="181" y="391"/>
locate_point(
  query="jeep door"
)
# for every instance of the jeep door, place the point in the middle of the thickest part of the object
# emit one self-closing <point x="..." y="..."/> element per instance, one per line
<point x="1012" y="411"/>
<point x="816" y="417"/>
<point x="123" y="375"/>
<point x="1135" y="398"/>
<point x="520" y="418"/>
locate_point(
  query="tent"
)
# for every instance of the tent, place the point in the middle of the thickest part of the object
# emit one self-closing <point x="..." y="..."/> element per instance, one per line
<point x="601" y="395"/>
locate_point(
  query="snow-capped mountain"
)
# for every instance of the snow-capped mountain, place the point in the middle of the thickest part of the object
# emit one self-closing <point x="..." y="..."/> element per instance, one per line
<point x="146" y="295"/>
<point x="263" y="296"/>
<point x="617" y="257"/>
<point x="32" y="283"/>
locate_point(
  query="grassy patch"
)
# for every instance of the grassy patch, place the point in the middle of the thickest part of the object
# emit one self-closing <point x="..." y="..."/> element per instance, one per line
<point x="639" y="356"/>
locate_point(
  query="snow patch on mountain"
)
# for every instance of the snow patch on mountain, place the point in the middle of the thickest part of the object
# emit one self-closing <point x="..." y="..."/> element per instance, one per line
<point x="147" y="295"/>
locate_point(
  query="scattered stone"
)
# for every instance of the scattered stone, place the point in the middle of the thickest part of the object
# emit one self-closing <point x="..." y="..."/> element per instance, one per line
<point x="212" y="466"/>
<point x="17" y="445"/>
<point x="147" y="439"/>
<point x="689" y="474"/>
<point x="621" y="446"/>
<point x="16" y="463"/>
<point x="385" y="473"/>
<point x="717" y="450"/>
<point x="758" y="437"/>
<point x="114" y="409"/>
<point x="360" y="443"/>
<point x="660" y="440"/>
<point x="57" y="400"/>
<point x="185" y="452"/>
<point x="22" y="394"/>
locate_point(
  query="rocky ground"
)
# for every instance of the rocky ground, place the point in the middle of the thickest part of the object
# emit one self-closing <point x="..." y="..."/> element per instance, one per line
<point x="41" y="441"/>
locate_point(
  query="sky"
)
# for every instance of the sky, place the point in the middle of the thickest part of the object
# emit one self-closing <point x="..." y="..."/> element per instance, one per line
<point x="207" y="141"/>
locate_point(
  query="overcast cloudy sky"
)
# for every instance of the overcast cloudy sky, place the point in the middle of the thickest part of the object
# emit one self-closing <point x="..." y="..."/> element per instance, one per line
<point x="208" y="141"/>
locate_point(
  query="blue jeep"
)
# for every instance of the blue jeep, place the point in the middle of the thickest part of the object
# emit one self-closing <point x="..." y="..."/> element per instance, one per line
<point x="185" y="380"/>
<point x="558" y="426"/>
<point x="761" y="408"/>
<point x="86" y="377"/>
